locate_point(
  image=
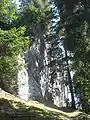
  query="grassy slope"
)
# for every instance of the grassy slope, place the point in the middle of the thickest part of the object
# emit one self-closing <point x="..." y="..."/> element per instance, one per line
<point x="13" y="108"/>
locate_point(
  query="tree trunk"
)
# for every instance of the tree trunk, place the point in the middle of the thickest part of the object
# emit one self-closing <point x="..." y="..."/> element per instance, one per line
<point x="70" y="81"/>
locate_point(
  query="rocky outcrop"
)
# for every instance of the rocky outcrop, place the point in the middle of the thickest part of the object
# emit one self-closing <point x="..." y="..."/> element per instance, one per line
<point x="34" y="58"/>
<point x="34" y="79"/>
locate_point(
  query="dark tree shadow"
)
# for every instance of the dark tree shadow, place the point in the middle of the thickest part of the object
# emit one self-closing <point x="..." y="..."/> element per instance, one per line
<point x="22" y="112"/>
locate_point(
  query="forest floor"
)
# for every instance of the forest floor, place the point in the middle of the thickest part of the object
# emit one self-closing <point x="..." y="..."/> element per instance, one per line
<point x="13" y="108"/>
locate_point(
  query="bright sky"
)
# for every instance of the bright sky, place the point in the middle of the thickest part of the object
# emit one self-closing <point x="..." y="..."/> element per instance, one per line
<point x="16" y="2"/>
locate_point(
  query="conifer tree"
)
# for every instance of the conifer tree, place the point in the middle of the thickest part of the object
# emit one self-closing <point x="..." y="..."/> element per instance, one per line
<point x="12" y="43"/>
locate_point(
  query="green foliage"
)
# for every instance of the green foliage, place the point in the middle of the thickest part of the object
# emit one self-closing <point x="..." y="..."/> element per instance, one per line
<point x="75" y="30"/>
<point x="7" y="11"/>
<point x="12" y="44"/>
<point x="36" y="18"/>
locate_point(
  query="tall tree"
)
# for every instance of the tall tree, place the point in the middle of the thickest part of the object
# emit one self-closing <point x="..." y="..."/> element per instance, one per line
<point x="74" y="28"/>
<point x="12" y="43"/>
<point x="7" y="14"/>
<point x="61" y="5"/>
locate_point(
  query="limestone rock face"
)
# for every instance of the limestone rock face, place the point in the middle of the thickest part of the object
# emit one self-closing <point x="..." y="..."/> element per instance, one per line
<point x="23" y="78"/>
<point x="34" y="79"/>
<point x="34" y="59"/>
<point x="30" y="77"/>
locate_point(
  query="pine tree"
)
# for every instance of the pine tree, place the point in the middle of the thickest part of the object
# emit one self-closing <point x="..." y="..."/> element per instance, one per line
<point x="74" y="28"/>
<point x="12" y="43"/>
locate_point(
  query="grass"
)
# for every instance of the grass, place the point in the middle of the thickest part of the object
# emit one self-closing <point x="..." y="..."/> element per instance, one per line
<point x="13" y="108"/>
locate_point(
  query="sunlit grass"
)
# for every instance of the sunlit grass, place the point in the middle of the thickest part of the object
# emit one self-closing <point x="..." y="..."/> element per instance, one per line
<point x="34" y="107"/>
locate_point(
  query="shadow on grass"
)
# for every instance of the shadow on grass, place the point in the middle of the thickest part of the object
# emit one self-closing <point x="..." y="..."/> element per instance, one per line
<point x="22" y="112"/>
<point x="64" y="109"/>
<point x="12" y="110"/>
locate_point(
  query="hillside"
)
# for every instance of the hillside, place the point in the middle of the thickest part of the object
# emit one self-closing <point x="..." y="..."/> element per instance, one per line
<point x="13" y="108"/>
